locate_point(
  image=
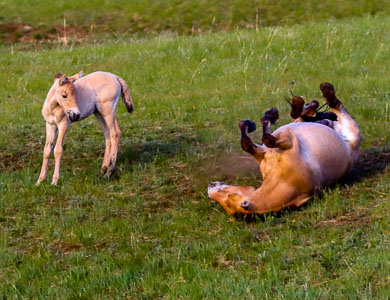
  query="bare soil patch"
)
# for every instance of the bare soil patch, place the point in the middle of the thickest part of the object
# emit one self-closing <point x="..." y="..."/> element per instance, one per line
<point x="11" y="33"/>
<point x="227" y="166"/>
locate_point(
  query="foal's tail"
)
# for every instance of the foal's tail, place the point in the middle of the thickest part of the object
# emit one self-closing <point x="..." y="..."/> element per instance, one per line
<point x="126" y="95"/>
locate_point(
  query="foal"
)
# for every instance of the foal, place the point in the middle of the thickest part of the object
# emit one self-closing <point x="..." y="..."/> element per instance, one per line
<point x="75" y="98"/>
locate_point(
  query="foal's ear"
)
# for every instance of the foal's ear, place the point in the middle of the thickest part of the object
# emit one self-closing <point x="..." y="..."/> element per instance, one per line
<point x="63" y="80"/>
<point x="74" y="77"/>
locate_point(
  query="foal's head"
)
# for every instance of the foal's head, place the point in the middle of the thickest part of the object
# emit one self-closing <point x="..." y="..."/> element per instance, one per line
<point x="65" y="95"/>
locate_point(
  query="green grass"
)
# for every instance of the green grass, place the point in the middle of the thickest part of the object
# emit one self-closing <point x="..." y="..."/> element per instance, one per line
<point x="46" y="18"/>
<point x="151" y="231"/>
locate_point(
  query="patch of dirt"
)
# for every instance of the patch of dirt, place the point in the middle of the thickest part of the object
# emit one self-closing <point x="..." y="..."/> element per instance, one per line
<point x="228" y="166"/>
<point x="355" y="219"/>
<point x="11" y="33"/>
<point x="263" y="235"/>
<point x="64" y="248"/>
<point x="12" y="161"/>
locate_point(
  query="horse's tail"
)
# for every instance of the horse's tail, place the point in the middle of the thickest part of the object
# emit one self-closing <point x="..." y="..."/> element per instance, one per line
<point x="126" y="95"/>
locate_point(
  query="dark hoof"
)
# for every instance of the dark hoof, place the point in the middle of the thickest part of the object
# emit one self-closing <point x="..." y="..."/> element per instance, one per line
<point x="327" y="89"/>
<point x="251" y="126"/>
<point x="272" y="115"/>
<point x="329" y="94"/>
<point x="297" y="104"/>
<point x="269" y="140"/>
<point x="310" y="109"/>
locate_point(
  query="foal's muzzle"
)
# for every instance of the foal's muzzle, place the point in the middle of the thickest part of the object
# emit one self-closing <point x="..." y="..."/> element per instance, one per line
<point x="73" y="116"/>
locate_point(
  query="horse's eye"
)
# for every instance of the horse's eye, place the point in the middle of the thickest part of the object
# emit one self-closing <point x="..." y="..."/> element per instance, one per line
<point x="64" y="96"/>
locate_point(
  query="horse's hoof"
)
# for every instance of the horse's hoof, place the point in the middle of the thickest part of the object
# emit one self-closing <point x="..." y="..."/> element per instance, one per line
<point x="329" y="93"/>
<point x="310" y="109"/>
<point x="272" y="115"/>
<point x="250" y="125"/>
<point x="297" y="104"/>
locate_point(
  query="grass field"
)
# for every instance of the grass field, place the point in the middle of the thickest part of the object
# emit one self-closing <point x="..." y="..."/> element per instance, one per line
<point x="151" y="231"/>
<point x="40" y="20"/>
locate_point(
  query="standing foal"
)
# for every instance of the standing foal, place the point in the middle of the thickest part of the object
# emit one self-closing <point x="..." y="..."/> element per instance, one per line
<point x="75" y="98"/>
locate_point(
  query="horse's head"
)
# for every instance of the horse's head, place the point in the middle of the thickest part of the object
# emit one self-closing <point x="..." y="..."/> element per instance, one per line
<point x="65" y="95"/>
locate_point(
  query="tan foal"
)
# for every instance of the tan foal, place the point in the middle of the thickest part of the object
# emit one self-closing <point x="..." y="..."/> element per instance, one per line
<point x="295" y="161"/>
<point x="71" y="99"/>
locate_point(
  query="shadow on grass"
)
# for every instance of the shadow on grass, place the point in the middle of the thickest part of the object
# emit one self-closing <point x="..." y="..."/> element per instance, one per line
<point x="371" y="162"/>
<point x="149" y="151"/>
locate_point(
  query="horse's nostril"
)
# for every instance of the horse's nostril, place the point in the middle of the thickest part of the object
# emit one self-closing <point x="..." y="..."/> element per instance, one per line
<point x="73" y="116"/>
<point x="213" y="184"/>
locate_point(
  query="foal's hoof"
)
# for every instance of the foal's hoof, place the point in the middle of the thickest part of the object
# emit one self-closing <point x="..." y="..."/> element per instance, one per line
<point x="108" y="174"/>
<point x="103" y="170"/>
<point x="329" y="94"/>
<point x="297" y="104"/>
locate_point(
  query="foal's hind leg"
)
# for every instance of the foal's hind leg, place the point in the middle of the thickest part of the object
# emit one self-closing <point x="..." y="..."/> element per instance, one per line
<point x="115" y="135"/>
<point x="107" y="151"/>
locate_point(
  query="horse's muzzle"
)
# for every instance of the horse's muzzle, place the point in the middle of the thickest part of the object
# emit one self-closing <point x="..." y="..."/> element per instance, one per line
<point x="74" y="116"/>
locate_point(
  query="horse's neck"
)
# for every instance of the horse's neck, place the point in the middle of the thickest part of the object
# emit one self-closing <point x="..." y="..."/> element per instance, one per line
<point x="271" y="195"/>
<point x="51" y="105"/>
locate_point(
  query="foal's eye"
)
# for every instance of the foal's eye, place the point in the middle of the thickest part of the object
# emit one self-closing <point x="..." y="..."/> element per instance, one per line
<point x="64" y="96"/>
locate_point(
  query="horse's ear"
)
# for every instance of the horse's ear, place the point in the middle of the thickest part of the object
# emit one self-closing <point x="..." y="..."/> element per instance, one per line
<point x="63" y="80"/>
<point x="58" y="76"/>
<point x="74" y="77"/>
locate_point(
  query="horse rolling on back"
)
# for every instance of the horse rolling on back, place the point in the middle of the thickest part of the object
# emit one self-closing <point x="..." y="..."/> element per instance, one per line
<point x="71" y="99"/>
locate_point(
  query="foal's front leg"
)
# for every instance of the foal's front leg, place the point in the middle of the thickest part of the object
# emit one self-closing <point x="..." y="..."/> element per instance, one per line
<point x="62" y="129"/>
<point x="50" y="136"/>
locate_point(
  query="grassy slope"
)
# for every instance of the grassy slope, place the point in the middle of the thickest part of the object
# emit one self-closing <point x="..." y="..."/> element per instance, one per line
<point x="152" y="231"/>
<point x="183" y="16"/>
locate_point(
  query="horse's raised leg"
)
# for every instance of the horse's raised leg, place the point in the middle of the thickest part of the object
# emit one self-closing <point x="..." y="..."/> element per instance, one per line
<point x="58" y="149"/>
<point x="107" y="151"/>
<point x="247" y="145"/>
<point x="115" y="135"/>
<point x="270" y="117"/>
<point x="50" y="137"/>
<point x="345" y="125"/>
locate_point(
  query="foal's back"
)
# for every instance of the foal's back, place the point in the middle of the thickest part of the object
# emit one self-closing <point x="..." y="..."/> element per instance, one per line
<point x="98" y="90"/>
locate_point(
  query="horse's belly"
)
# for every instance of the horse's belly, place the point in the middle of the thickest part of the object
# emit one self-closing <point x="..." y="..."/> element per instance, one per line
<point x="326" y="153"/>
